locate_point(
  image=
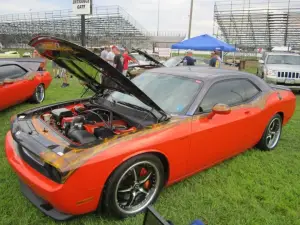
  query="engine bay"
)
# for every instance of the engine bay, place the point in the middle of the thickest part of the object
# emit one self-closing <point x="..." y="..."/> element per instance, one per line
<point x="86" y="123"/>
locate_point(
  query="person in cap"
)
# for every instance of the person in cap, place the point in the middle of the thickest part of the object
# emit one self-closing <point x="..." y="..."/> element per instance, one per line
<point x="127" y="58"/>
<point x="188" y="60"/>
<point x="118" y="59"/>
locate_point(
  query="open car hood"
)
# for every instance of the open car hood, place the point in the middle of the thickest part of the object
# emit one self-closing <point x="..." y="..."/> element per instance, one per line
<point x="87" y="66"/>
<point x="149" y="57"/>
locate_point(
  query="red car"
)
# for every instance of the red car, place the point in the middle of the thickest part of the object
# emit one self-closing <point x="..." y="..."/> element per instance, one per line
<point x="115" y="151"/>
<point x="21" y="80"/>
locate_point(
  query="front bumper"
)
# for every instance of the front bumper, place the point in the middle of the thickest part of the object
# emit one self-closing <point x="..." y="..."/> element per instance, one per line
<point x="41" y="204"/>
<point x="59" y="201"/>
<point x="294" y="86"/>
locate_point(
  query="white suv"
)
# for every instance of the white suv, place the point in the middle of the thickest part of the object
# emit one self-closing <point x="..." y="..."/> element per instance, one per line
<point x="280" y="68"/>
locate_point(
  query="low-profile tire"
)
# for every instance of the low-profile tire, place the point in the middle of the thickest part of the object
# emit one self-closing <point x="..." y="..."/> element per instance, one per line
<point x="38" y="95"/>
<point x="133" y="186"/>
<point x="271" y="135"/>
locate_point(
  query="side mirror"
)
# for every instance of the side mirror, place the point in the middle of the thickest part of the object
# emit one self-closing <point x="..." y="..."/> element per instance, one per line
<point x="261" y="61"/>
<point x="221" y="109"/>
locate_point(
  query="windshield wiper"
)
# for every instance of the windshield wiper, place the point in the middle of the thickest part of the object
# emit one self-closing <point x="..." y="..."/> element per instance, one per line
<point x="138" y="108"/>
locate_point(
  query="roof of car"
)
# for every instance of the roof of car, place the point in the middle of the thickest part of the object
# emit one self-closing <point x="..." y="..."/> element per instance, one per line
<point x="198" y="72"/>
<point x="282" y="53"/>
<point x="8" y="62"/>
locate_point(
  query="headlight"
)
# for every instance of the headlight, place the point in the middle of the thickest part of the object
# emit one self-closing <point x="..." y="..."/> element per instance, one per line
<point x="272" y="73"/>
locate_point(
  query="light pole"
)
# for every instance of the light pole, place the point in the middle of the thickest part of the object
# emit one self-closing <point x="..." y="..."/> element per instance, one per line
<point x="191" y="17"/>
<point x="158" y="6"/>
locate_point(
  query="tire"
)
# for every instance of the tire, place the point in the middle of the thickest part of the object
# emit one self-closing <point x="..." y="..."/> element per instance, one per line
<point x="38" y="95"/>
<point x="117" y="199"/>
<point x="271" y="135"/>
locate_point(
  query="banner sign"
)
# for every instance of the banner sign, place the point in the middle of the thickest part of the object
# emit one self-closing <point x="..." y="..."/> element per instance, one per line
<point x="82" y="7"/>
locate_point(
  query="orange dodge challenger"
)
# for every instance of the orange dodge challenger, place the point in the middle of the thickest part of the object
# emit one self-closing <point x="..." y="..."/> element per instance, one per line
<point x="23" y="79"/>
<point x="115" y="151"/>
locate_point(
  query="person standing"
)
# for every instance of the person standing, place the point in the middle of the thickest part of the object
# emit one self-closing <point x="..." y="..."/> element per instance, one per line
<point x="104" y="53"/>
<point x="218" y="59"/>
<point x="118" y="59"/>
<point x="64" y="76"/>
<point x="127" y="58"/>
<point x="110" y="56"/>
<point x="213" y="60"/>
<point x="188" y="60"/>
<point x="55" y="70"/>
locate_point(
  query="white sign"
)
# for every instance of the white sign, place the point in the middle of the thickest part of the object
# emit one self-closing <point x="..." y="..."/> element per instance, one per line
<point x="163" y="52"/>
<point x="82" y="7"/>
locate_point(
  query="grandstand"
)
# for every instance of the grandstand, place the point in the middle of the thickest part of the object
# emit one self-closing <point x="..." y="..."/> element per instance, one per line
<point x="252" y="24"/>
<point x="107" y="25"/>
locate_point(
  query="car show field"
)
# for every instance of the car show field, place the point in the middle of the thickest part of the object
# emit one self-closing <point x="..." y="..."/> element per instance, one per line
<point x="253" y="188"/>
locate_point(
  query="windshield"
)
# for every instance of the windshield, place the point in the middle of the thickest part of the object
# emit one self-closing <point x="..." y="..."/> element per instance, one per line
<point x="173" y="94"/>
<point x="174" y="61"/>
<point x="139" y="57"/>
<point x="284" y="59"/>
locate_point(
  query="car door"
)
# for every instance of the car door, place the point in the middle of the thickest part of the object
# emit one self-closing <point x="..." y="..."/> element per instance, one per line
<point x="12" y="89"/>
<point x="223" y="136"/>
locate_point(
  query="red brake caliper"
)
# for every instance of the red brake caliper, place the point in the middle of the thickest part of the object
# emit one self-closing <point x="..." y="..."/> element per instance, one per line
<point x="143" y="173"/>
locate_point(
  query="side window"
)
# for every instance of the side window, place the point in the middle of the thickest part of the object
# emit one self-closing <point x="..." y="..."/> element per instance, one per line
<point x="230" y="92"/>
<point x="11" y="72"/>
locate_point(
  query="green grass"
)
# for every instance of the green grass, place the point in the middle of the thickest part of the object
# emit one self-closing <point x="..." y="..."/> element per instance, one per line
<point x="254" y="188"/>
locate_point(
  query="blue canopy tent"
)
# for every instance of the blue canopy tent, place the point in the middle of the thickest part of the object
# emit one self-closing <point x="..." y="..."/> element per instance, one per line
<point x="204" y="43"/>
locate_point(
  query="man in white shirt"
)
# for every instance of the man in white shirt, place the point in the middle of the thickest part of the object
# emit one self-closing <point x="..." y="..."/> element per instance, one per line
<point x="110" y="56"/>
<point x="104" y="53"/>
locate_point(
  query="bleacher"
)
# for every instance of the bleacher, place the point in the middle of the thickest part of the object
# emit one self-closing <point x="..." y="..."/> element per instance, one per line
<point x="107" y="25"/>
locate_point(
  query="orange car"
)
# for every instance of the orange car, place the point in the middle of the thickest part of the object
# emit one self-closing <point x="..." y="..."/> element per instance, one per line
<point x="115" y="151"/>
<point x="22" y="79"/>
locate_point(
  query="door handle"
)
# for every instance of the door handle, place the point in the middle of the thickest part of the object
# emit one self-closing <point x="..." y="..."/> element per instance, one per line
<point x="247" y="112"/>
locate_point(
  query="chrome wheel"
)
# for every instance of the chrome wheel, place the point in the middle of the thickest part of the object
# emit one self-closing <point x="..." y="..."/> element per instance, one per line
<point x="40" y="93"/>
<point x="137" y="187"/>
<point x="273" y="133"/>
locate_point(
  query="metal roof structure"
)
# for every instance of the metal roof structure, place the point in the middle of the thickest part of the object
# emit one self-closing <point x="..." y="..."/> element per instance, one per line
<point x="107" y="25"/>
<point x="254" y="24"/>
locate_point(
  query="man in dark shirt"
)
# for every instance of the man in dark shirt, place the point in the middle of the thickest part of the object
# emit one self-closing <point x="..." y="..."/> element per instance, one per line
<point x="118" y="59"/>
<point x="188" y="60"/>
<point x="213" y="60"/>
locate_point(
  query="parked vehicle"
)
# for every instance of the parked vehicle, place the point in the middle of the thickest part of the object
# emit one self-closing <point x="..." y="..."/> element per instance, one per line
<point x="142" y="60"/>
<point x="115" y="151"/>
<point x="10" y="54"/>
<point x="136" y="69"/>
<point x="21" y="80"/>
<point x="281" y="68"/>
<point x="26" y="55"/>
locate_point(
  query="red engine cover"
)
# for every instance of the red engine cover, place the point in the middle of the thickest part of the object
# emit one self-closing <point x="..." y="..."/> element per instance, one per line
<point x="66" y="120"/>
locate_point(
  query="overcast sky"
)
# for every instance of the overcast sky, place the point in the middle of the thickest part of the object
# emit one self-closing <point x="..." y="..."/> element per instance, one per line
<point x="174" y="14"/>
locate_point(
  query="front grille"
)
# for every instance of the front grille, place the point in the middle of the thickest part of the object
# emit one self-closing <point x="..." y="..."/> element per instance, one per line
<point x="293" y="75"/>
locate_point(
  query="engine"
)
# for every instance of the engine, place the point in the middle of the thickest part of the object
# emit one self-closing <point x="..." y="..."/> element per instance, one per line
<point x="85" y="124"/>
